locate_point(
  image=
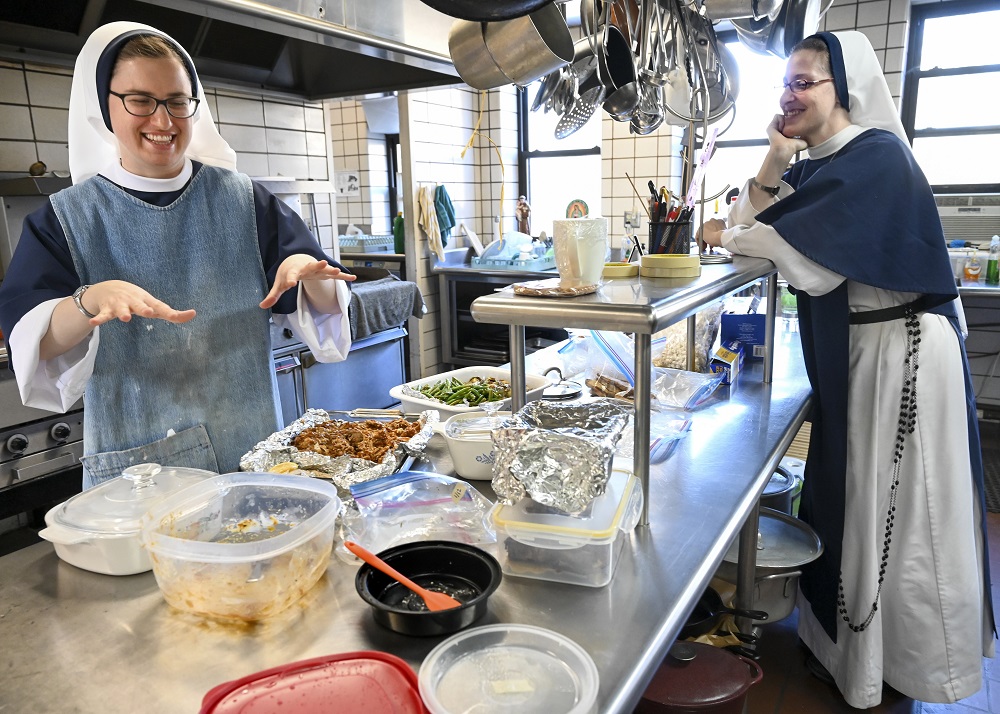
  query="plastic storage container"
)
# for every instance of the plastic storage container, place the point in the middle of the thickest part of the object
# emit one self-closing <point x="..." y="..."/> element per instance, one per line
<point x="535" y="541"/>
<point x="241" y="546"/>
<point x="509" y="668"/>
<point x="98" y="530"/>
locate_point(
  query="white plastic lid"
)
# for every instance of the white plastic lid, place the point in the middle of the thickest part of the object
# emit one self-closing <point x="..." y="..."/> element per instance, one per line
<point x="618" y="508"/>
<point x="116" y="506"/>
<point x="509" y="668"/>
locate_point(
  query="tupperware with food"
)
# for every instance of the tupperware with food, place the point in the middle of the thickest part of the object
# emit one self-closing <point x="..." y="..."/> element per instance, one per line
<point x="412" y="401"/>
<point x="470" y="443"/>
<point x="509" y="668"/>
<point x="98" y="530"/>
<point x="241" y="546"/>
<point x="536" y="541"/>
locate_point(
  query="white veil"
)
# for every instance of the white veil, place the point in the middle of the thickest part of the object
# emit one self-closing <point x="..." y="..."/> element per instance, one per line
<point x="871" y="102"/>
<point x="92" y="146"/>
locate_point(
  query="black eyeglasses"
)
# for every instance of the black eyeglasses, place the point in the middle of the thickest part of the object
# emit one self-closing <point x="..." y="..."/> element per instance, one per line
<point x="797" y="86"/>
<point x="142" y="105"/>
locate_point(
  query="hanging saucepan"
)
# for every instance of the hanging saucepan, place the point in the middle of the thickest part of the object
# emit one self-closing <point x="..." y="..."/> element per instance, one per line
<point x="531" y="46"/>
<point x="754" y="34"/>
<point x="479" y="11"/>
<point x="733" y="9"/>
<point x="801" y="20"/>
<point x="616" y="67"/>
<point x="723" y="84"/>
<point x="471" y="57"/>
<point x="709" y="610"/>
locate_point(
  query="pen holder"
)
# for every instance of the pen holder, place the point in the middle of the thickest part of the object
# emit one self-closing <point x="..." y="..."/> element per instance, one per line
<point x="670" y="237"/>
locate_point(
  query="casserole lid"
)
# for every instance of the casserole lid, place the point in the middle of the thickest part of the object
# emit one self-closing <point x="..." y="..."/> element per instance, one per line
<point x="115" y="507"/>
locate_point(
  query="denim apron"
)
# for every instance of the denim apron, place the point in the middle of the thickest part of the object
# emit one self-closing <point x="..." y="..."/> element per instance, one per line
<point x="199" y="394"/>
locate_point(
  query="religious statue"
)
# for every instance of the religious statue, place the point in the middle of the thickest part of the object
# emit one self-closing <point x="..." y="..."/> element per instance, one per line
<point x="522" y="212"/>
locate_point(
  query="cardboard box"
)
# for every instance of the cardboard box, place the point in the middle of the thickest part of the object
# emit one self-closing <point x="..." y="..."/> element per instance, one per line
<point x="744" y="327"/>
<point x="728" y="359"/>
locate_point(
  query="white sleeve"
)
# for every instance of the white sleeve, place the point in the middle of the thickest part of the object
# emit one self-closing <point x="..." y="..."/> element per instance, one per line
<point x="747" y="236"/>
<point x="327" y="335"/>
<point x="56" y="384"/>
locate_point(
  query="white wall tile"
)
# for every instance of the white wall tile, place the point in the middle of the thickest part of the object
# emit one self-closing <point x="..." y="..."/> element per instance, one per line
<point x="235" y="110"/>
<point x="283" y="141"/>
<point x="252" y="164"/>
<point x="48" y="90"/>
<point x="50" y="124"/>
<point x="841" y="17"/>
<point x="288" y="165"/>
<point x="15" y="122"/>
<point x="315" y="143"/>
<point x="244" y="138"/>
<point x="284" y="116"/>
<point x="55" y="156"/>
<point x="873" y="13"/>
<point x="17" y="156"/>
<point x="314" y="119"/>
<point x="12" y="86"/>
<point x="319" y="168"/>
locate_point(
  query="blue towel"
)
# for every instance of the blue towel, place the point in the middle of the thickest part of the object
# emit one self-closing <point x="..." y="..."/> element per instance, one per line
<point x="445" y="213"/>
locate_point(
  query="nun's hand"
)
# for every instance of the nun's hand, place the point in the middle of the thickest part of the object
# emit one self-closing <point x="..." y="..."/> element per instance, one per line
<point x="120" y="300"/>
<point x="711" y="232"/>
<point x="784" y="145"/>
<point x="299" y="267"/>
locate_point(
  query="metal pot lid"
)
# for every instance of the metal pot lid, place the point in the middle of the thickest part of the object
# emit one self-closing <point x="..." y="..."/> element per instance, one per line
<point x="700" y="677"/>
<point x="562" y="390"/>
<point x="115" y="507"/>
<point x="783" y="542"/>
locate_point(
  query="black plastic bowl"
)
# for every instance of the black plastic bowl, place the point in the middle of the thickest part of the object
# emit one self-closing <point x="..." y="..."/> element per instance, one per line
<point x="465" y="572"/>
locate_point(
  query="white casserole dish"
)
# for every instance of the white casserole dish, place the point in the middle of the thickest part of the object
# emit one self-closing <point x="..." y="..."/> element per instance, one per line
<point x="98" y="530"/>
<point x="470" y="444"/>
<point x="535" y="384"/>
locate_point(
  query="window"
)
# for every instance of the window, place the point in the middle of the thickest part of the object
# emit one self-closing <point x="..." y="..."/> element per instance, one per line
<point x="949" y="94"/>
<point x="554" y="172"/>
<point x="740" y="148"/>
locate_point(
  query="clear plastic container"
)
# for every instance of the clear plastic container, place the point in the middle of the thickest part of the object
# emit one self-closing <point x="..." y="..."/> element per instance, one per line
<point x="535" y="541"/>
<point x="509" y="668"/>
<point x="98" y="529"/>
<point x="241" y="546"/>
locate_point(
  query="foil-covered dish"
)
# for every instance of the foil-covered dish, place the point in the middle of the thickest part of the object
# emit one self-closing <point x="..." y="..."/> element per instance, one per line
<point x="558" y="454"/>
<point x="302" y="447"/>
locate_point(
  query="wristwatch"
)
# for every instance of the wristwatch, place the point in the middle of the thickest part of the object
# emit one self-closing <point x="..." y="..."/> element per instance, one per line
<point x="770" y="190"/>
<point x="78" y="299"/>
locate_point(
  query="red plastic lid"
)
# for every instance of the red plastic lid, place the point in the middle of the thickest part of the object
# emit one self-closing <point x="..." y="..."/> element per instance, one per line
<point x="368" y="682"/>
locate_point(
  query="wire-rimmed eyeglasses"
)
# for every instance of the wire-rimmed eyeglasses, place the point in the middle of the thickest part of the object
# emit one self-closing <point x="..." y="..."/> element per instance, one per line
<point x="143" y="105"/>
<point x="797" y="86"/>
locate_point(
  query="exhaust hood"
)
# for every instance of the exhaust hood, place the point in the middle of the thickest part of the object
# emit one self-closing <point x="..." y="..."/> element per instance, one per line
<point x="315" y="49"/>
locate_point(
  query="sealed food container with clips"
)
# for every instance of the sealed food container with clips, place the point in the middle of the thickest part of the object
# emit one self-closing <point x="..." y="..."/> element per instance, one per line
<point x="536" y="541"/>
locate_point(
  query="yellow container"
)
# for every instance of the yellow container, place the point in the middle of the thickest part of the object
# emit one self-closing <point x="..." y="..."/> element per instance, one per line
<point x="620" y="270"/>
<point x="693" y="272"/>
<point x="670" y="260"/>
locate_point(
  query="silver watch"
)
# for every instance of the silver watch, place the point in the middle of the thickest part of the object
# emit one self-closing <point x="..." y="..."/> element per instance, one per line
<point x="78" y="300"/>
<point x="770" y="190"/>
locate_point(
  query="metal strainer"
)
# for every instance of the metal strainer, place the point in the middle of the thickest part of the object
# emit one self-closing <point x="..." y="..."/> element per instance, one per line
<point x="581" y="111"/>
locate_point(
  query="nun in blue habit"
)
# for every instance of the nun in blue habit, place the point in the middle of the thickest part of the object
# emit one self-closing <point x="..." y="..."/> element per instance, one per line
<point x="894" y="478"/>
<point x="148" y="285"/>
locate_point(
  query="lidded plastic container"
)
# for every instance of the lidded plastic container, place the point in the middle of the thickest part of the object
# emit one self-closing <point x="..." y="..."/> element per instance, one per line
<point x="509" y="668"/>
<point x="536" y="541"/>
<point x="241" y="546"/>
<point x="98" y="529"/>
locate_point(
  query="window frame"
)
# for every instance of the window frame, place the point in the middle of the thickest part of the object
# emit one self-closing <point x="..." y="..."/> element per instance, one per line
<point x="912" y="74"/>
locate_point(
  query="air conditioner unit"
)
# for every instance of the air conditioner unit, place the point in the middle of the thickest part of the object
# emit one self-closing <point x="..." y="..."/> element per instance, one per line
<point x="971" y="217"/>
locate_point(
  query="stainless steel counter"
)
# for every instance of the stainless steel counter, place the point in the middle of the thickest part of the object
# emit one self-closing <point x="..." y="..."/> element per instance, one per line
<point x="94" y="643"/>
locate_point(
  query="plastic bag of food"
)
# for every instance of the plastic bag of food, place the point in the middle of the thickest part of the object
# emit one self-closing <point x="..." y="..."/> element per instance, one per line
<point x="670" y="345"/>
<point x="415" y="506"/>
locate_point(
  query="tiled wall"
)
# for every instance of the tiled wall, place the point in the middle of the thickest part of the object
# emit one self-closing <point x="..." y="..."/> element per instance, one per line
<point x="356" y="149"/>
<point x="271" y="137"/>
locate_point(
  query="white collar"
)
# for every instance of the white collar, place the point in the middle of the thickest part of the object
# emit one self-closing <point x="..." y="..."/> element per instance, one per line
<point x="116" y="174"/>
<point x="836" y="142"/>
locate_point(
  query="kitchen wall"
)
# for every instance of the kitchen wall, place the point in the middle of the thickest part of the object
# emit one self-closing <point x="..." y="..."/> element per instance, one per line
<point x="363" y="152"/>
<point x="271" y="136"/>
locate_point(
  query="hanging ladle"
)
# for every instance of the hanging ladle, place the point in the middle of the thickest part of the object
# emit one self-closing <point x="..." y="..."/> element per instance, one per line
<point x="434" y="601"/>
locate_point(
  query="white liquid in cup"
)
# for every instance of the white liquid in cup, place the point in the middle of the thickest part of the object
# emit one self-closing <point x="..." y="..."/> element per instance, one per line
<point x="581" y="247"/>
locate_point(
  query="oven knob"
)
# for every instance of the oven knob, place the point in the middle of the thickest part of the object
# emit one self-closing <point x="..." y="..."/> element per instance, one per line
<point x="60" y="431"/>
<point x="17" y="443"/>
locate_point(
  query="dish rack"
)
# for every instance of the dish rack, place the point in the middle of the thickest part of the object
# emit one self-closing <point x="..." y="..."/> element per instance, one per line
<point x="529" y="264"/>
<point x="367" y="244"/>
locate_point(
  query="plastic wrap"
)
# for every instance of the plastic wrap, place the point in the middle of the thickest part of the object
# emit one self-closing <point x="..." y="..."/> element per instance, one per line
<point x="670" y="345"/>
<point x="415" y="506"/>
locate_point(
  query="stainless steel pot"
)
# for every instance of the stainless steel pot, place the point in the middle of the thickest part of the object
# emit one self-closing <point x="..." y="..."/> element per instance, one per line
<point x="696" y="677"/>
<point x="784" y="545"/>
<point x="530" y="47"/>
<point x="472" y="58"/>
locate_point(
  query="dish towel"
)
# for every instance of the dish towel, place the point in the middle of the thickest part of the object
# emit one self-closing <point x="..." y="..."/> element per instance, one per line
<point x="427" y="219"/>
<point x="380" y="300"/>
<point x="445" y="213"/>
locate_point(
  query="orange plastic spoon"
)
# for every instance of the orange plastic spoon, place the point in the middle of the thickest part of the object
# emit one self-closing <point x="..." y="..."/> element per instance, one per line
<point x="434" y="601"/>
